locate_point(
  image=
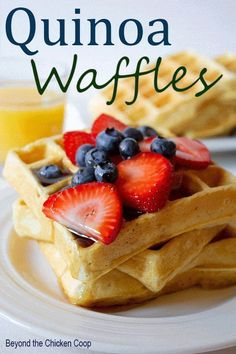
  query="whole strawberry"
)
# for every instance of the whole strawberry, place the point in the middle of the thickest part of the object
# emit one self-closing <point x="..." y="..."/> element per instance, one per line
<point x="145" y="181"/>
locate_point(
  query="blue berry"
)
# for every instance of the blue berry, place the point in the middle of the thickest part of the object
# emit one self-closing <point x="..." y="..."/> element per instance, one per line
<point x="83" y="175"/>
<point x="147" y="131"/>
<point x="50" y="171"/>
<point x="95" y="156"/>
<point x="80" y="154"/>
<point x="133" y="133"/>
<point x="50" y="174"/>
<point x="106" y="172"/>
<point x="109" y="140"/>
<point x="165" y="147"/>
<point x="129" y="148"/>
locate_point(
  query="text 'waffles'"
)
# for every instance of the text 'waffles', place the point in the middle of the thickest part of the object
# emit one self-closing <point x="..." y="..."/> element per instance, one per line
<point x="157" y="34"/>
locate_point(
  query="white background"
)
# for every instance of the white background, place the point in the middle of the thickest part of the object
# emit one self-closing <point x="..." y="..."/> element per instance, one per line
<point x="205" y="26"/>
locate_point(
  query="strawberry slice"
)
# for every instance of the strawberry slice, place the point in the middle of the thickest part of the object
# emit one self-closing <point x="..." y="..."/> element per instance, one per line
<point x="145" y="145"/>
<point x="191" y="153"/>
<point x="73" y="140"/>
<point x="105" y="121"/>
<point x="49" y="204"/>
<point x="145" y="181"/>
<point x="91" y="209"/>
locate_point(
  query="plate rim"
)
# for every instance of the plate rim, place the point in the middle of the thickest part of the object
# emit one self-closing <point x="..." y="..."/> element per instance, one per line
<point x="220" y="144"/>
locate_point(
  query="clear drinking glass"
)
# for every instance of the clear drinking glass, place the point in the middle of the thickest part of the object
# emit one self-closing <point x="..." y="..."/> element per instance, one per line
<point x="26" y="116"/>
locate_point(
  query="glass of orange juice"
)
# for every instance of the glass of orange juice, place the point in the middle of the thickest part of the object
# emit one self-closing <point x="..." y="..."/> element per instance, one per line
<point x="25" y="115"/>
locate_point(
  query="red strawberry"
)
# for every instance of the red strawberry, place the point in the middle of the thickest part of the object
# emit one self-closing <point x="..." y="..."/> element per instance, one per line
<point x="91" y="209"/>
<point x="73" y="140"/>
<point x="191" y="153"/>
<point x="145" y="181"/>
<point x="105" y="121"/>
<point x="145" y="144"/>
<point x="47" y="206"/>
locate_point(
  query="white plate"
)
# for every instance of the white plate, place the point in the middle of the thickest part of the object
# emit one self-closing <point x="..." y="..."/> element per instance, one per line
<point x="221" y="144"/>
<point x="190" y="321"/>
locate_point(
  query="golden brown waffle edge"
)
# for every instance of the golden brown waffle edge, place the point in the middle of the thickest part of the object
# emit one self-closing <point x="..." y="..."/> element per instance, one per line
<point x="212" y="114"/>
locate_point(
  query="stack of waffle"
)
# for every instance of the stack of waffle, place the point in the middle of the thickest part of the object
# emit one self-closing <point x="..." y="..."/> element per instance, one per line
<point x="191" y="241"/>
<point x="211" y="114"/>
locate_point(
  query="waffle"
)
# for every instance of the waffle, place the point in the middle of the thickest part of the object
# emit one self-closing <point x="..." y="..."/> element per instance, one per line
<point x="117" y="288"/>
<point x="228" y="61"/>
<point x="209" y="265"/>
<point x="204" y="205"/>
<point x="181" y="113"/>
<point x="151" y="268"/>
<point x="28" y="160"/>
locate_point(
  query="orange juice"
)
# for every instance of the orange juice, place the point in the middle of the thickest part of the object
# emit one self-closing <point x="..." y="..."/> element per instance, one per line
<point x="25" y="116"/>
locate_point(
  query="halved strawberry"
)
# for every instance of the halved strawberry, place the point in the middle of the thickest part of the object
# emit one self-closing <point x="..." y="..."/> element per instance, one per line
<point x="73" y="140"/>
<point x="191" y="153"/>
<point x="145" y="145"/>
<point x="105" y="121"/>
<point x="48" y="205"/>
<point x="91" y="209"/>
<point x="145" y="181"/>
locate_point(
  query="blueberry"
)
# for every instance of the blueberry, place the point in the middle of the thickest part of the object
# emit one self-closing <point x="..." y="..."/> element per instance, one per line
<point x="147" y="131"/>
<point x="129" y="148"/>
<point x="133" y="133"/>
<point x="95" y="156"/>
<point x="109" y="140"/>
<point x="50" y="172"/>
<point x="106" y="172"/>
<point x="83" y="175"/>
<point x="81" y="152"/>
<point x="165" y="147"/>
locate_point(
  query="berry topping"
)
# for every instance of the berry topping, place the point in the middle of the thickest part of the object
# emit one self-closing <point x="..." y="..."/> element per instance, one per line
<point x="50" y="174"/>
<point x="191" y="153"/>
<point x="95" y="156"/>
<point x="144" y="182"/>
<point x="83" y="175"/>
<point x="109" y="140"/>
<point x="105" y="121"/>
<point x="116" y="159"/>
<point x="50" y="171"/>
<point x="81" y="152"/>
<point x="147" y="131"/>
<point x="106" y="172"/>
<point x="92" y="209"/>
<point x="145" y="145"/>
<point x="165" y="147"/>
<point x="73" y="140"/>
<point x="133" y="133"/>
<point x="128" y="148"/>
